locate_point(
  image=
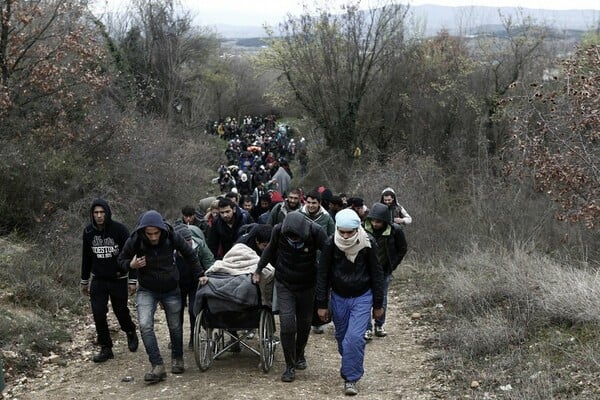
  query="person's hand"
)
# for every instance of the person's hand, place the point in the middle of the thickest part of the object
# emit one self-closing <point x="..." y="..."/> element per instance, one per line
<point x="323" y="314"/>
<point x="377" y="313"/>
<point x="85" y="289"/>
<point x="137" y="263"/>
<point x="399" y="220"/>
<point x="256" y="277"/>
<point x="132" y="288"/>
<point x="203" y="280"/>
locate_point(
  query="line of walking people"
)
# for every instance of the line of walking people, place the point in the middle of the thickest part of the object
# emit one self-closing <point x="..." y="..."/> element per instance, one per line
<point x="338" y="262"/>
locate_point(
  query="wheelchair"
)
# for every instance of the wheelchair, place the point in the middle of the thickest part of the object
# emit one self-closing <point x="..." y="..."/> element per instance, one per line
<point x="212" y="328"/>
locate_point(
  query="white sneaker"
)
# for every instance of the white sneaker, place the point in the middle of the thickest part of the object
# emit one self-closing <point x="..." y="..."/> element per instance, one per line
<point x="369" y="335"/>
<point x="380" y="332"/>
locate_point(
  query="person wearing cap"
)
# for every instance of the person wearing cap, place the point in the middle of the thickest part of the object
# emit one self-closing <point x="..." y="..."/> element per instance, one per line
<point x="350" y="271"/>
<point x="391" y="249"/>
<point x="398" y="213"/>
<point x="148" y="254"/>
<point x="188" y="284"/>
<point x="292" y="251"/>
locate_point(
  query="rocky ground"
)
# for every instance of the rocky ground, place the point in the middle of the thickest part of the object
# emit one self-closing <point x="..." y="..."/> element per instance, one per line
<point x="397" y="367"/>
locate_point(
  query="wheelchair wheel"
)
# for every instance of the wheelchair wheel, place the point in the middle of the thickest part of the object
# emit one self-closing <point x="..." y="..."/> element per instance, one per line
<point x="267" y="343"/>
<point x="204" y="342"/>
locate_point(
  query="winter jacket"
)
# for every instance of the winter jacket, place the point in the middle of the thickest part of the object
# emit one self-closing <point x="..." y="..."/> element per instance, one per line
<point x="101" y="247"/>
<point x="283" y="180"/>
<point x="395" y="209"/>
<point x="279" y="211"/>
<point x="295" y="263"/>
<point x="160" y="273"/>
<point x="221" y="236"/>
<point x="391" y="241"/>
<point x="322" y="218"/>
<point x="347" y="278"/>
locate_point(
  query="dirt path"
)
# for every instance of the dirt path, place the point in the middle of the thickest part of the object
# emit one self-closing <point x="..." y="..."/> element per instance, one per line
<point x="396" y="368"/>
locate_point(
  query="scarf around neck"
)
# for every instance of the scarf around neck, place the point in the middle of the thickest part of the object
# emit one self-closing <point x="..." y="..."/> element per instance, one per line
<point x="352" y="245"/>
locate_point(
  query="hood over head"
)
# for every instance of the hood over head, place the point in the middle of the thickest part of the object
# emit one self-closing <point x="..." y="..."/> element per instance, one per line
<point x="389" y="192"/>
<point x="184" y="231"/>
<point x="295" y="222"/>
<point x="381" y="212"/>
<point x="104" y="204"/>
<point x="151" y="218"/>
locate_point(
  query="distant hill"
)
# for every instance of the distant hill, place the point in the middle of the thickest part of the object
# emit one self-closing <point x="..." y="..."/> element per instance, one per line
<point x="430" y="19"/>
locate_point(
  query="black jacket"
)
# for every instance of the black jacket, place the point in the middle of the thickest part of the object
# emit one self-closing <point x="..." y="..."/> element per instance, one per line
<point x="160" y="273"/>
<point x="390" y="240"/>
<point x="295" y="266"/>
<point x="221" y="237"/>
<point x="101" y="247"/>
<point x="346" y="278"/>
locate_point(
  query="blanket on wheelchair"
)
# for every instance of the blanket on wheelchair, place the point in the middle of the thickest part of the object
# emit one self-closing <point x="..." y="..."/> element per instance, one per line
<point x="240" y="259"/>
<point x="225" y="292"/>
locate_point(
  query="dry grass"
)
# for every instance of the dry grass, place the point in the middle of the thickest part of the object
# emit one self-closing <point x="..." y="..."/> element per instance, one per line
<point x="521" y="318"/>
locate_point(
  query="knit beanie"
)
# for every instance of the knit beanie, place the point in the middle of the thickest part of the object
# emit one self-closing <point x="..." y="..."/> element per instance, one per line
<point x="347" y="219"/>
<point x="183" y="231"/>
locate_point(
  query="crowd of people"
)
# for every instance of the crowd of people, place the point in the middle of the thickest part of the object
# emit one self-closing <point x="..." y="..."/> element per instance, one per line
<point x="325" y="257"/>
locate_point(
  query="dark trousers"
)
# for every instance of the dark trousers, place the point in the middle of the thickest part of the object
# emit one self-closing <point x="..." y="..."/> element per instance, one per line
<point x="188" y="297"/>
<point x="101" y="290"/>
<point x="295" y="317"/>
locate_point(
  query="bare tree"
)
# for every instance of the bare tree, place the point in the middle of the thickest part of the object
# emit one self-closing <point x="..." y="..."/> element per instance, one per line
<point x="331" y="63"/>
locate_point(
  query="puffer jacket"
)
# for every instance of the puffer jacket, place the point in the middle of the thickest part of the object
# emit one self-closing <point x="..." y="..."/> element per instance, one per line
<point x="295" y="264"/>
<point x="347" y="278"/>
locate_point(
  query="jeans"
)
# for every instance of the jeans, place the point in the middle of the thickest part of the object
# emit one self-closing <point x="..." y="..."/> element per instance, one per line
<point x="386" y="286"/>
<point x="350" y="317"/>
<point x="295" y="317"/>
<point x="147" y="301"/>
<point x="116" y="290"/>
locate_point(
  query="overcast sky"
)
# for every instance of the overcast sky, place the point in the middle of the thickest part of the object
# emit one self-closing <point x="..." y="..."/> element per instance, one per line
<point x="248" y="12"/>
<point x="256" y="12"/>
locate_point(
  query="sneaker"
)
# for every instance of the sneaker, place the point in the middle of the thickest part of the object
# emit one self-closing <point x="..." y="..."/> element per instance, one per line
<point x="250" y="334"/>
<point x="105" y="354"/>
<point x="380" y="332"/>
<point x="132" y="341"/>
<point x="350" y="388"/>
<point x="301" y="363"/>
<point x="177" y="366"/>
<point x="318" y="329"/>
<point x="369" y="335"/>
<point x="157" y="374"/>
<point x="289" y="374"/>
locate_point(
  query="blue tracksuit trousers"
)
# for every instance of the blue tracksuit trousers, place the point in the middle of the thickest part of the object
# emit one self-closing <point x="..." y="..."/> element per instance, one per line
<point x="350" y="317"/>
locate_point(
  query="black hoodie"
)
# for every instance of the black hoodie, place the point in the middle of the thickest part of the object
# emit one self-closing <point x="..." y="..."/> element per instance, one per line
<point x="101" y="246"/>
